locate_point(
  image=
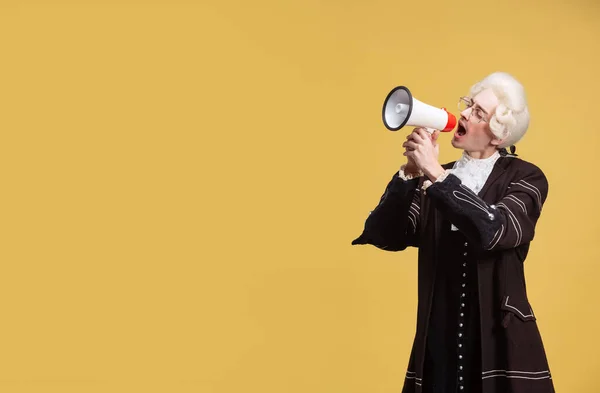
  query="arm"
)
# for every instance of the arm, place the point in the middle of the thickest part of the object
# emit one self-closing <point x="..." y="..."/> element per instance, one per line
<point x="394" y="223"/>
<point x="508" y="223"/>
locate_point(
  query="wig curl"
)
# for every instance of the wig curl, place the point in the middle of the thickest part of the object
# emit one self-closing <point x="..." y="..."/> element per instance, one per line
<point x="510" y="120"/>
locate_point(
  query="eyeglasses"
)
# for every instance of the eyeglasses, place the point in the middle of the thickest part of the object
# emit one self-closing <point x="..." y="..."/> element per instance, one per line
<point x="465" y="103"/>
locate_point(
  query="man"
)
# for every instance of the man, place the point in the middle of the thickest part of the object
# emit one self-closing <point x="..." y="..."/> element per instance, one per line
<point x="472" y="221"/>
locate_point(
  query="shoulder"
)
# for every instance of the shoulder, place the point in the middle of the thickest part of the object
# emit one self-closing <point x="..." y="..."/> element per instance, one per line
<point x="520" y="167"/>
<point x="527" y="175"/>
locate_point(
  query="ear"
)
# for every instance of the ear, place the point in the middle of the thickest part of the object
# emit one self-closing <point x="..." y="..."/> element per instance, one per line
<point x="496" y="141"/>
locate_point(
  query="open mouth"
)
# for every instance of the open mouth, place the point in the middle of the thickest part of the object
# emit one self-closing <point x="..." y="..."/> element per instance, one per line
<point x="460" y="130"/>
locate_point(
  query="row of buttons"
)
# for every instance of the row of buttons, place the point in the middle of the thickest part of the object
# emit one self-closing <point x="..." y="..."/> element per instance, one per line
<point x="461" y="323"/>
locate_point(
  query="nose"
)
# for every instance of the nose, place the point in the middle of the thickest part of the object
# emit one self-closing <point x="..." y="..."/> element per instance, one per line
<point x="467" y="113"/>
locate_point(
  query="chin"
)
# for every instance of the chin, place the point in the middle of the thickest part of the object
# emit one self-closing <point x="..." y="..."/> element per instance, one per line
<point x="456" y="144"/>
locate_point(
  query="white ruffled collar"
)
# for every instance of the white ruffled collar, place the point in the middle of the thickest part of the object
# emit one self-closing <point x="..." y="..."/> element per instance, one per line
<point x="473" y="172"/>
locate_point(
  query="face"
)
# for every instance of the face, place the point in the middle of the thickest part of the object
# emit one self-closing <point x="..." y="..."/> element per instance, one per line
<point x="472" y="134"/>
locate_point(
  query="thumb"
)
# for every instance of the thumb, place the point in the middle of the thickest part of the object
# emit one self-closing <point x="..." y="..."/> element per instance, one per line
<point x="434" y="136"/>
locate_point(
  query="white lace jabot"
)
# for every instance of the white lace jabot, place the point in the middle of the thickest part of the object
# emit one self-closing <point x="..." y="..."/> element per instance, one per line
<point x="474" y="172"/>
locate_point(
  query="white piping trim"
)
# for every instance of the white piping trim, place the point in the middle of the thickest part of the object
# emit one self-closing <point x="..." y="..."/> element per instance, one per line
<point x="531" y="188"/>
<point x="536" y="190"/>
<point x="474" y="203"/>
<point x="413" y="375"/>
<point x="499" y="237"/>
<point x="518" y="201"/>
<point x="416" y="201"/>
<point x="413" y="221"/>
<point x="412" y="207"/>
<point x="511" y="371"/>
<point x="413" y="214"/>
<point x="474" y="197"/>
<point x="519" y="311"/>
<point x="468" y="189"/>
<point x="515" y="376"/>
<point x="515" y="222"/>
<point x="512" y="220"/>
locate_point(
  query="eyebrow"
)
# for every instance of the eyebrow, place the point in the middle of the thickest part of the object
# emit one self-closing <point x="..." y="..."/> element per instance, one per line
<point x="479" y="106"/>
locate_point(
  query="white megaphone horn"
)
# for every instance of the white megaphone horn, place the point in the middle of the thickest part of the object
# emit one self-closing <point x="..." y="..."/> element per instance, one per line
<point x="401" y="109"/>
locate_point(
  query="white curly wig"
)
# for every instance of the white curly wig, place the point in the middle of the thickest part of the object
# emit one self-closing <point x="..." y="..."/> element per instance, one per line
<point x="511" y="118"/>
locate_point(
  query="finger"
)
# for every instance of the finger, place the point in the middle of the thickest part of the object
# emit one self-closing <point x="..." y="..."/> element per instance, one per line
<point x="415" y="137"/>
<point x="424" y="134"/>
<point x="414" y="131"/>
<point x="411" y="145"/>
<point x="434" y="136"/>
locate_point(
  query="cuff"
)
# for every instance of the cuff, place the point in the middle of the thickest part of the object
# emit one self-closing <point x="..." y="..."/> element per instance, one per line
<point x="440" y="178"/>
<point x="409" y="176"/>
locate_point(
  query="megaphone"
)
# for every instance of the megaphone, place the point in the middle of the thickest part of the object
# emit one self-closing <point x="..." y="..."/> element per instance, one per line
<point x="401" y="109"/>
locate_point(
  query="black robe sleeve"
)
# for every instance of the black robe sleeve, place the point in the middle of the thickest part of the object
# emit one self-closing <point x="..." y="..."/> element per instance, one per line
<point x="394" y="223"/>
<point x="506" y="224"/>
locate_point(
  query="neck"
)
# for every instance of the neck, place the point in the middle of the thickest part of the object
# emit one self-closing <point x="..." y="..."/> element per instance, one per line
<point x="480" y="155"/>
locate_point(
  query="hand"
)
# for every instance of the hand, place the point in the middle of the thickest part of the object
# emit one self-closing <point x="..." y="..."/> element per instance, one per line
<point x="423" y="151"/>
<point x="411" y="166"/>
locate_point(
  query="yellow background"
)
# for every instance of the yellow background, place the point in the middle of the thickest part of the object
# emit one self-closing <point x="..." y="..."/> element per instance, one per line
<point x="181" y="182"/>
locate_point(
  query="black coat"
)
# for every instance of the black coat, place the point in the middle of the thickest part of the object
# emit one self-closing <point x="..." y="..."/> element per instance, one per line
<point x="499" y="225"/>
